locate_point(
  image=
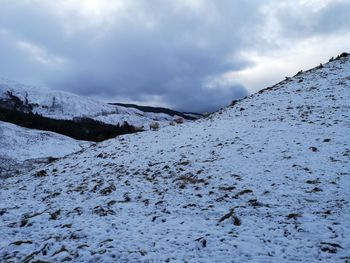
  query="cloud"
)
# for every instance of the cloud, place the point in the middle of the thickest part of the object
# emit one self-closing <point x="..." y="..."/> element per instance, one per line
<point x="302" y="19"/>
<point x="40" y="55"/>
<point x="192" y="55"/>
<point x="287" y="62"/>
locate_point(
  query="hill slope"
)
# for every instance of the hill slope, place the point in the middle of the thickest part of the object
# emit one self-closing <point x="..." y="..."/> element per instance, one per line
<point x="67" y="106"/>
<point x="21" y="147"/>
<point x="264" y="180"/>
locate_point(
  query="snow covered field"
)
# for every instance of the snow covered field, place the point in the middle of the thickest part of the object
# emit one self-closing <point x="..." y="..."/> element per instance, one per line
<point x="21" y="147"/>
<point x="265" y="180"/>
<point x="21" y="143"/>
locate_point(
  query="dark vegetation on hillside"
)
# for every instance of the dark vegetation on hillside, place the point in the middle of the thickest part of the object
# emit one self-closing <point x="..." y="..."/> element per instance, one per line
<point x="80" y="129"/>
<point x="342" y="55"/>
<point x="157" y="110"/>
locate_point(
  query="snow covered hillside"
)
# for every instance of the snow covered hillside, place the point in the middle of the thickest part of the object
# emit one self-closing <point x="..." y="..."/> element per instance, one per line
<point x="63" y="105"/>
<point x="19" y="147"/>
<point x="266" y="180"/>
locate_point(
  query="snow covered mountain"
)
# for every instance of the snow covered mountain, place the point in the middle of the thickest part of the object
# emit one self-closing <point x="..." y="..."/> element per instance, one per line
<point x="63" y="105"/>
<point x="21" y="148"/>
<point x="266" y="179"/>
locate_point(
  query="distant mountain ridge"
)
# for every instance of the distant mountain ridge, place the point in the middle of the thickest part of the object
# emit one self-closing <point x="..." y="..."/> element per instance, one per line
<point x="187" y="116"/>
<point x="68" y="108"/>
<point x="64" y="105"/>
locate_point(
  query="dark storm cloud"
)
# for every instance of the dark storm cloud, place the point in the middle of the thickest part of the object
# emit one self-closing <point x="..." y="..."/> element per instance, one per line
<point x="137" y="51"/>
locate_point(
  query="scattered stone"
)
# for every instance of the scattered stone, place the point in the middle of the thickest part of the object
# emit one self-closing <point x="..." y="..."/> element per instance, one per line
<point x="55" y="215"/>
<point x="108" y="190"/>
<point x="20" y="242"/>
<point x="231" y="214"/>
<point x="314" y="149"/>
<point x="227" y="188"/>
<point x="331" y="248"/>
<point x="316" y="181"/>
<point x="41" y="173"/>
<point x="247" y="191"/>
<point x="293" y="216"/>
<point x="99" y="210"/>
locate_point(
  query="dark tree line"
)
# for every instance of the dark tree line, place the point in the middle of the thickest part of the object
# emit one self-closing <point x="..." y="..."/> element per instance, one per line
<point x="157" y="110"/>
<point x="80" y="129"/>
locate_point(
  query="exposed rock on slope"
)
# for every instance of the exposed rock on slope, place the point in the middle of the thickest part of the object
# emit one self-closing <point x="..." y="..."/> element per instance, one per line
<point x="264" y="180"/>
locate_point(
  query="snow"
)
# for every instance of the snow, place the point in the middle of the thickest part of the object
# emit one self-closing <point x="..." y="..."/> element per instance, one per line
<point x="22" y="144"/>
<point x="265" y="180"/>
<point x="18" y="145"/>
<point x="64" y="105"/>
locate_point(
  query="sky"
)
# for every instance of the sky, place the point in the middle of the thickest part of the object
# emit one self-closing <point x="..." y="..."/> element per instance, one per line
<point x="189" y="55"/>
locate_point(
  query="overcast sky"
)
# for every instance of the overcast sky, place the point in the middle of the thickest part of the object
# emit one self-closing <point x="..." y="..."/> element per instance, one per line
<point x="191" y="55"/>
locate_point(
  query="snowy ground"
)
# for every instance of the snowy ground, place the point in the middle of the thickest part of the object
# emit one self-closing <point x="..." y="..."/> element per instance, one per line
<point x="266" y="180"/>
<point x="20" y="148"/>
